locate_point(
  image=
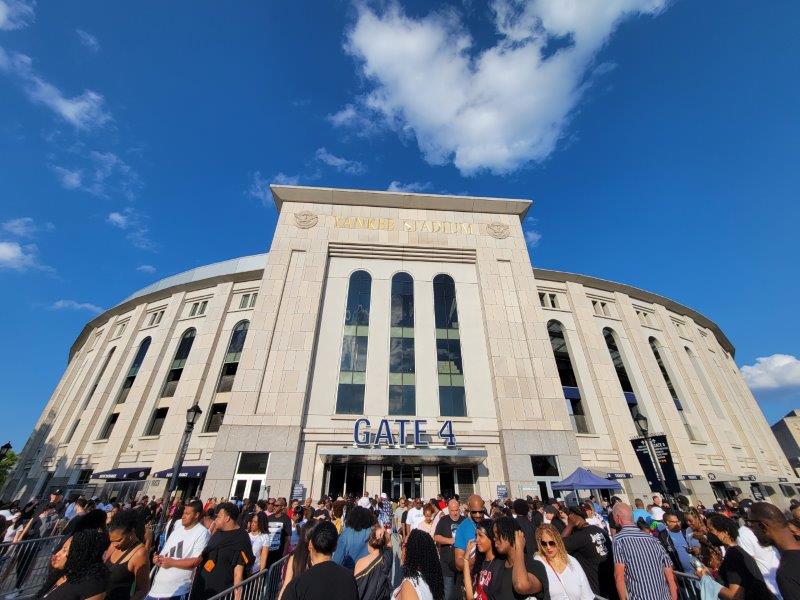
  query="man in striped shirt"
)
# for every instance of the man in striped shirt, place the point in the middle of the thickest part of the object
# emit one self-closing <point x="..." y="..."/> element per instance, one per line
<point x="642" y="569"/>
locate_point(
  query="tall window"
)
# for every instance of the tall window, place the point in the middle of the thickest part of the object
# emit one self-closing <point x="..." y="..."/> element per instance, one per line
<point x="569" y="383"/>
<point x="665" y="374"/>
<point x="712" y="396"/>
<point x="452" y="400"/>
<point x="230" y="364"/>
<point x="133" y="370"/>
<point x="622" y="373"/>
<point x="353" y="366"/>
<point x="176" y="368"/>
<point x="402" y="391"/>
<point x="157" y="422"/>
<point x="215" y="417"/>
<point x="109" y="426"/>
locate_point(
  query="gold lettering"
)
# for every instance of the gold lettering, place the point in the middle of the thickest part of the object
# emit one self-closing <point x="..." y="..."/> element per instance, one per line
<point x="426" y="226"/>
<point x="408" y="226"/>
<point x="437" y="226"/>
<point x="372" y="223"/>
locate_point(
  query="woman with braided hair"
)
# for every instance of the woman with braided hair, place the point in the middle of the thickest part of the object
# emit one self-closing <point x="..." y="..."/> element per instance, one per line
<point x="422" y="573"/>
<point x="85" y="575"/>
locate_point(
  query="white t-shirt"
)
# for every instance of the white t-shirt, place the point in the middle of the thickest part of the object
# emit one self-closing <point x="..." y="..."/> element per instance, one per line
<point x="569" y="585"/>
<point x="181" y="543"/>
<point x="414" y="517"/>
<point x="364" y="502"/>
<point x="767" y="558"/>
<point x="258" y="541"/>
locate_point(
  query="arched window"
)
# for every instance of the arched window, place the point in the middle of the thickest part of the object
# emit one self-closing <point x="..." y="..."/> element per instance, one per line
<point x="622" y="373"/>
<point x="133" y="370"/>
<point x="667" y="380"/>
<point x="569" y="383"/>
<point x="402" y="391"/>
<point x="353" y="365"/>
<point x="452" y="399"/>
<point x="712" y="396"/>
<point x="176" y="368"/>
<point x="92" y="390"/>
<point x="230" y="364"/>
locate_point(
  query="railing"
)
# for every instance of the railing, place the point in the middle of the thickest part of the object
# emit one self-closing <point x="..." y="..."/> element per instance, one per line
<point x="688" y="586"/>
<point x="24" y="565"/>
<point x="264" y="585"/>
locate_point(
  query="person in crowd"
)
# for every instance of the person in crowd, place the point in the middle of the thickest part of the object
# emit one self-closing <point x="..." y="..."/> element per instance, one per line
<point x="738" y="572"/>
<point x="565" y="576"/>
<point x="476" y="509"/>
<point x="521" y="509"/>
<point x="640" y="513"/>
<point x="385" y="512"/>
<point x="324" y="579"/>
<point x="398" y="515"/>
<point x="444" y="537"/>
<point x="594" y="517"/>
<point x="520" y="576"/>
<point x="180" y="555"/>
<point x="415" y="516"/>
<point x="422" y="574"/>
<point x="337" y="514"/>
<point x="299" y="520"/>
<point x="767" y="521"/>
<point x="322" y="511"/>
<point x="642" y="569"/>
<point x="352" y="544"/>
<point x="479" y="566"/>
<point x="127" y="559"/>
<point x="364" y="501"/>
<point x="550" y="516"/>
<point x="676" y="543"/>
<point x="301" y="559"/>
<point x="426" y="525"/>
<point x="372" y="572"/>
<point x="259" y="541"/>
<point x="759" y="547"/>
<point x="695" y="530"/>
<point x="84" y="574"/>
<point x="591" y="547"/>
<point x="227" y="556"/>
<point x="279" y="530"/>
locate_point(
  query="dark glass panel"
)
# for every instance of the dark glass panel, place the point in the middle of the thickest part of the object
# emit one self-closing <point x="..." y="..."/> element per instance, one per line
<point x="358" y="299"/>
<point x="544" y="466"/>
<point x="350" y="399"/>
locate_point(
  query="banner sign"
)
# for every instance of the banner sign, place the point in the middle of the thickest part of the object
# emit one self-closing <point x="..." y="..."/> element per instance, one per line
<point x="298" y="492"/>
<point x="691" y="477"/>
<point x="502" y="492"/>
<point x="387" y="435"/>
<point x="664" y="458"/>
<point x="619" y="475"/>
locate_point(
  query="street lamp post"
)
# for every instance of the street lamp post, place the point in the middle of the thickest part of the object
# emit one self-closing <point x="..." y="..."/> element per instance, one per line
<point x="192" y="416"/>
<point x="4" y="449"/>
<point x="642" y="425"/>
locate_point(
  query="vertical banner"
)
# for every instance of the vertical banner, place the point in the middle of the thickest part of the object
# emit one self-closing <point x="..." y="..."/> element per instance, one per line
<point x="640" y="447"/>
<point x="664" y="458"/>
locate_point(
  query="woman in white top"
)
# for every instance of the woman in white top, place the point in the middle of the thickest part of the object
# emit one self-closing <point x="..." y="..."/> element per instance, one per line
<point x="257" y="530"/>
<point x="565" y="576"/>
<point x="422" y="573"/>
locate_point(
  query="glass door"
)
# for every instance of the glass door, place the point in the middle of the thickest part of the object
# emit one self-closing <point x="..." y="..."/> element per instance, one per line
<point x="251" y="476"/>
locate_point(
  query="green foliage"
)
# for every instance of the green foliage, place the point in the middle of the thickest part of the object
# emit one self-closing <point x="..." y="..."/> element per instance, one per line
<point x="6" y="463"/>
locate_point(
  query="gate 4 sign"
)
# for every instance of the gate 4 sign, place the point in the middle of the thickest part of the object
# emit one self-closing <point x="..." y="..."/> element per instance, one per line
<point x="394" y="432"/>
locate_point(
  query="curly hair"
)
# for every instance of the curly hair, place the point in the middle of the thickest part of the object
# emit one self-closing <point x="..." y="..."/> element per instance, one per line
<point x="85" y="556"/>
<point x="725" y="525"/>
<point x="422" y="561"/>
<point x="124" y="520"/>
<point x="553" y="533"/>
<point x="261" y="518"/>
<point x="504" y="528"/>
<point x="359" y="518"/>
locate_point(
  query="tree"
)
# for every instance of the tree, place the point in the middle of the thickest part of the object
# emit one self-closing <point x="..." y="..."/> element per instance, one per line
<point x="6" y="463"/>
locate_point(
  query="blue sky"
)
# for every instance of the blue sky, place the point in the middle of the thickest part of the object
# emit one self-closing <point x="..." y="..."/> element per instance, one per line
<point x="658" y="140"/>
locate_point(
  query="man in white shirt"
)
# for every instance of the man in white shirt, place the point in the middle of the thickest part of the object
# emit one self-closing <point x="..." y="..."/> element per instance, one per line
<point x="180" y="555"/>
<point x="766" y="557"/>
<point x="415" y="515"/>
<point x="364" y="502"/>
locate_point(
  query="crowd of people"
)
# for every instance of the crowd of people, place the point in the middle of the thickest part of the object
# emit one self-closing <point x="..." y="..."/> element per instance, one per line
<point x="376" y="548"/>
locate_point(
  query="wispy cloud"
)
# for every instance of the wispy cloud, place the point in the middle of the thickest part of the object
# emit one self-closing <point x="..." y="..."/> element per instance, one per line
<point x="532" y="237"/>
<point x="85" y="111"/>
<point x="88" y="40"/>
<point x="344" y="165"/>
<point x="496" y="108"/>
<point x="412" y="186"/>
<point x="26" y="227"/>
<point x="284" y="179"/>
<point x="17" y="257"/>
<point x="103" y="174"/>
<point x="134" y="224"/>
<point x="74" y="305"/>
<point x="69" y="179"/>
<point x="149" y="269"/>
<point x="772" y="373"/>
<point x="16" y="14"/>
<point x="259" y="187"/>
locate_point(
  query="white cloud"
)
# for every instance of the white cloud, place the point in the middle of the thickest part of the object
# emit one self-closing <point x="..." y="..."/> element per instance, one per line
<point x="413" y="186"/>
<point x="73" y="305"/>
<point x="773" y="372"/>
<point x="70" y="180"/>
<point x="85" y="111"/>
<point x="16" y="257"/>
<point x="133" y="223"/>
<point x="344" y="165"/>
<point x="532" y="237"/>
<point x="146" y="269"/>
<point x="284" y="179"/>
<point x="259" y="188"/>
<point x="118" y="219"/>
<point x="25" y="227"/>
<point x="103" y="174"/>
<point x="496" y="108"/>
<point x="15" y="14"/>
<point x="88" y="40"/>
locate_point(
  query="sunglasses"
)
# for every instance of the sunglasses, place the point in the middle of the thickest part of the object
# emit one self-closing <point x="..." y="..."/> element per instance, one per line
<point x="476" y="512"/>
<point x="548" y="544"/>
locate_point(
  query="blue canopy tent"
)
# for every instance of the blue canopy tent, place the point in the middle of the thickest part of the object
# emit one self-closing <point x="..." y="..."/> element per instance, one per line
<point x="583" y="479"/>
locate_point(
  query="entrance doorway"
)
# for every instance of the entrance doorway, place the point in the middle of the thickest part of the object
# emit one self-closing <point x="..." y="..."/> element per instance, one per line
<point x="401" y="480"/>
<point x="459" y="481"/>
<point x="251" y="476"/>
<point x="347" y="478"/>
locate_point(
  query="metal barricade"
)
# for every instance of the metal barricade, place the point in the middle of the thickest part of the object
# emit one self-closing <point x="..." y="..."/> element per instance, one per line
<point x="264" y="585"/>
<point x="688" y="586"/>
<point x="24" y="565"/>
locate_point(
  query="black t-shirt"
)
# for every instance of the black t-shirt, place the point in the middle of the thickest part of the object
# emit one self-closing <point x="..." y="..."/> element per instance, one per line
<point x="739" y="568"/>
<point x="788" y="575"/>
<point x="79" y="590"/>
<point x="279" y="528"/>
<point x="224" y="551"/>
<point x="446" y="527"/>
<point x="498" y="581"/>
<point x="591" y="547"/>
<point x="323" y="581"/>
<point x="530" y="537"/>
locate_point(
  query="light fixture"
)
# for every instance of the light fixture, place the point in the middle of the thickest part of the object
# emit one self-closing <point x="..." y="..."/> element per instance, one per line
<point x="4" y="449"/>
<point x="641" y="423"/>
<point x="193" y="414"/>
